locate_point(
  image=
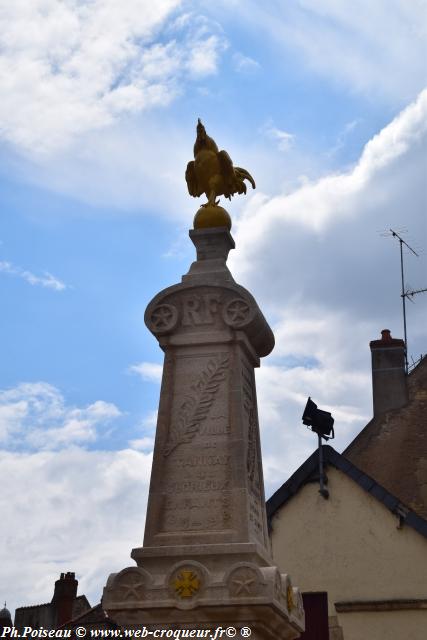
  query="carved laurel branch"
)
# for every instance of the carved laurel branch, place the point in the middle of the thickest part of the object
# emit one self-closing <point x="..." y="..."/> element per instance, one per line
<point x="195" y="407"/>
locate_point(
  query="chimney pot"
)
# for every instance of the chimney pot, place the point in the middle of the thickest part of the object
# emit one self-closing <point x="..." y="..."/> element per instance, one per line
<point x="386" y="335"/>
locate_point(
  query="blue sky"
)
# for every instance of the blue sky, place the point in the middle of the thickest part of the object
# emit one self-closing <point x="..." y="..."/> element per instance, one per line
<point x="324" y="104"/>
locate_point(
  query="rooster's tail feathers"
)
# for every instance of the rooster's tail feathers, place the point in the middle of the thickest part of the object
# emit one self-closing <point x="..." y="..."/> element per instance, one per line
<point x="242" y="174"/>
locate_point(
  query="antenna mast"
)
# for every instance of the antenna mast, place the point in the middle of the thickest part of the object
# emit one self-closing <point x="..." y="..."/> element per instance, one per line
<point x="403" y="294"/>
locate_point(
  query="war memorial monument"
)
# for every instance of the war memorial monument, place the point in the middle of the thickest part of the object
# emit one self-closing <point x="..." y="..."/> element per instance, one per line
<point x="206" y="559"/>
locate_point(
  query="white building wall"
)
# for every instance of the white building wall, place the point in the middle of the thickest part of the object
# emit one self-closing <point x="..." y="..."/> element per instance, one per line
<point x="351" y="547"/>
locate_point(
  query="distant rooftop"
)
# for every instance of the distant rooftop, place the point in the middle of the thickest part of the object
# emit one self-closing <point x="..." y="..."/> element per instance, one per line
<point x="392" y="447"/>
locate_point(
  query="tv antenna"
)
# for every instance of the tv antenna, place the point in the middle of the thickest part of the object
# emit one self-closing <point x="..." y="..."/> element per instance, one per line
<point x="405" y="294"/>
<point x="410" y="294"/>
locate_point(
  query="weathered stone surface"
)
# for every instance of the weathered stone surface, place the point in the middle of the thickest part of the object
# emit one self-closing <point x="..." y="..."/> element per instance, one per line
<point x="206" y="553"/>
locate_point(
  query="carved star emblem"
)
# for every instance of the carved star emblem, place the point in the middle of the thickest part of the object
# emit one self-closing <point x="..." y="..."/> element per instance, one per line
<point x="132" y="589"/>
<point x="243" y="586"/>
<point x="237" y="311"/>
<point x="162" y="316"/>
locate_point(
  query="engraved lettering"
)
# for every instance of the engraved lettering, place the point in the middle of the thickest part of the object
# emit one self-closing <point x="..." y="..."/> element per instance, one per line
<point x="200" y="310"/>
<point x="197" y="502"/>
<point x="208" y="460"/>
<point x="214" y="429"/>
<point x="198" y="485"/>
<point x="197" y="512"/>
<point x="211" y="301"/>
<point x="211" y="445"/>
<point x="191" y="306"/>
<point x="255" y="518"/>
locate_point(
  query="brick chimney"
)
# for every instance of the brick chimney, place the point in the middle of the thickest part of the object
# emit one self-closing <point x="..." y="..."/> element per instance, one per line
<point x="63" y="597"/>
<point x="389" y="388"/>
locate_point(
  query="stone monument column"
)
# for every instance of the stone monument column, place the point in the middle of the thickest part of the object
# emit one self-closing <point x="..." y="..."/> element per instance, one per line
<point x="205" y="561"/>
<point x="206" y="483"/>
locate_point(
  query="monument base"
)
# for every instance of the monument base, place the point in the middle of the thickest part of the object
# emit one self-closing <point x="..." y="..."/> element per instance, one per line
<point x="206" y="587"/>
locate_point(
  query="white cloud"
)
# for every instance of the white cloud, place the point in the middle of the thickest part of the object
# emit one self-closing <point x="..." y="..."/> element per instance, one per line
<point x="245" y="64"/>
<point x="70" y="68"/>
<point x="72" y="510"/>
<point x="316" y="205"/>
<point x="34" y="415"/>
<point x="283" y="138"/>
<point x="311" y="358"/>
<point x="142" y="444"/>
<point x="151" y="371"/>
<point x="343" y="136"/>
<point x="46" y="280"/>
<point x="147" y="429"/>
<point x="328" y="282"/>
<point x="130" y="167"/>
<point x="203" y="58"/>
<point x="376" y="48"/>
<point x="150" y="420"/>
<point x="61" y="503"/>
<point x="11" y="415"/>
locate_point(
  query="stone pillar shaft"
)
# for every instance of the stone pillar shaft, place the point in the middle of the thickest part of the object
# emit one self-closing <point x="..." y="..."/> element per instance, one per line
<point x="206" y="483"/>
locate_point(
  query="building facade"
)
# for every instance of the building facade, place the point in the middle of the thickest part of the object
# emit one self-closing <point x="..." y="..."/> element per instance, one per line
<point x="366" y="545"/>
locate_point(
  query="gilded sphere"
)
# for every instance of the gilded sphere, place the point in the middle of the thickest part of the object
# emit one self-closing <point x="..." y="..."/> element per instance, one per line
<point x="212" y="216"/>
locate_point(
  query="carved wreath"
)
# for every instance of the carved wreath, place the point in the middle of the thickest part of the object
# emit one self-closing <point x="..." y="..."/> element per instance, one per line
<point x="196" y="406"/>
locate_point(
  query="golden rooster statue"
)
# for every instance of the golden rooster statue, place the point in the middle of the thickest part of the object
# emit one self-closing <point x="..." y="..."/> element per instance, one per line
<point x="212" y="172"/>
